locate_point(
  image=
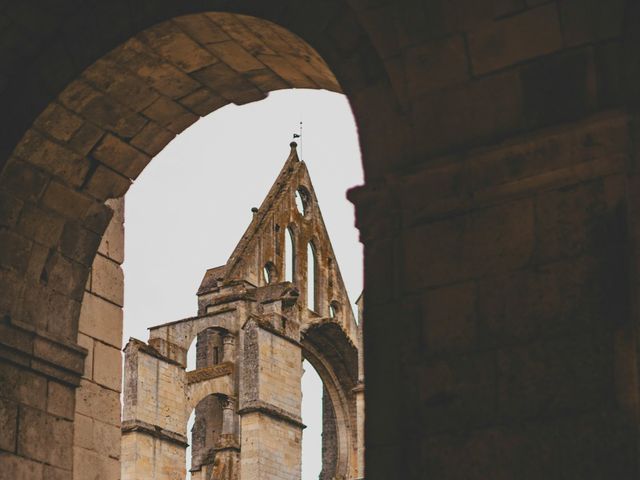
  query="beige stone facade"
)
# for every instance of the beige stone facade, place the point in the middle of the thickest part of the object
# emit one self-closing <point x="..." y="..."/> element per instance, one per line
<point x="253" y="329"/>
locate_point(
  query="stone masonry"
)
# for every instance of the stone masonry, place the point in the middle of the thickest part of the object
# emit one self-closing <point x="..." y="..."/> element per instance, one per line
<point x="254" y="327"/>
<point x="499" y="217"/>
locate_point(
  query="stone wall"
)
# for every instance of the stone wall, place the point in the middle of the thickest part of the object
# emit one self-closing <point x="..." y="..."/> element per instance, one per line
<point x="515" y="260"/>
<point x="97" y="415"/>
<point x="530" y="382"/>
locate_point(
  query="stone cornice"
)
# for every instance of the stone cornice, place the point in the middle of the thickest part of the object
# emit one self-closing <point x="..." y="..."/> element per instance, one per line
<point x="51" y="356"/>
<point x="258" y="406"/>
<point x="138" y="426"/>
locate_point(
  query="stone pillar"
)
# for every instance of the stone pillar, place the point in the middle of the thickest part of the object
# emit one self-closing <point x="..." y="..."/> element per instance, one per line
<point x="228" y="416"/>
<point x="154" y="418"/>
<point x="270" y="403"/>
<point x="506" y="273"/>
<point x="229" y="348"/>
<point x="97" y="417"/>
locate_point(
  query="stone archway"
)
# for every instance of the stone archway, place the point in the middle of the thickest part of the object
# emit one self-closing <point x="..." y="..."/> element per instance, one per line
<point x="477" y="112"/>
<point x="335" y="358"/>
<point x="82" y="153"/>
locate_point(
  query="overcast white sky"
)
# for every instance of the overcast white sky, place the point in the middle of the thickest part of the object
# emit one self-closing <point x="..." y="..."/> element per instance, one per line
<point x="190" y="206"/>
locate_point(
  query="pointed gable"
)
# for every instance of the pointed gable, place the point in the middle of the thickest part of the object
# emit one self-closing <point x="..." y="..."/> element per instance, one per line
<point x="261" y="257"/>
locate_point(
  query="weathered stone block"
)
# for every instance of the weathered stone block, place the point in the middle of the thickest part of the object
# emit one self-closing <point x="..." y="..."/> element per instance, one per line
<point x="436" y="64"/>
<point x="571" y="221"/>
<point x="464" y="115"/>
<point x="83" y="431"/>
<point x="107" y="369"/>
<point x="90" y="465"/>
<point x="85" y="138"/>
<point x="61" y="400"/>
<point x="19" y="468"/>
<point x="8" y="424"/>
<point x="58" y="122"/>
<point x="107" y="280"/>
<point x="112" y="244"/>
<point x="101" y="319"/>
<point x="53" y="157"/>
<point x="235" y="56"/>
<point x="120" y="156"/>
<point x="201" y="29"/>
<point x="107" y="183"/>
<point x="14" y="250"/>
<point x="78" y="243"/>
<point x="590" y="21"/>
<point x="172" y="43"/>
<point x="45" y="438"/>
<point x="95" y="401"/>
<point x="558" y="88"/>
<point x="68" y="202"/>
<point x="450" y="322"/>
<point x="507" y="41"/>
<point x="40" y="226"/>
<point x="227" y="83"/>
<point x="153" y="138"/>
<point x="64" y="276"/>
<point x="23" y="180"/>
<point x="126" y="87"/>
<point x="10" y="208"/>
<point x="106" y="439"/>
<point x="163" y="76"/>
<point x="23" y="386"/>
<point x="457" y="393"/>
<point x="170" y="114"/>
<point x="552" y="376"/>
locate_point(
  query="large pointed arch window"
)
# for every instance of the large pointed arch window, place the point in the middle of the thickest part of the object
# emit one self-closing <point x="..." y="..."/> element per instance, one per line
<point x="289" y="255"/>
<point x="311" y="276"/>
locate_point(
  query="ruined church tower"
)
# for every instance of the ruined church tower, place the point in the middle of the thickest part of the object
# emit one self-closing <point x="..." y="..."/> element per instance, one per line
<point x="279" y="299"/>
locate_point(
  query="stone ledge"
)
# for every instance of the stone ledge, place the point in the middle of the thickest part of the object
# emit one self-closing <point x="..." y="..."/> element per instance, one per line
<point x="138" y="426"/>
<point x="258" y="406"/>
<point x="207" y="373"/>
<point x="53" y="357"/>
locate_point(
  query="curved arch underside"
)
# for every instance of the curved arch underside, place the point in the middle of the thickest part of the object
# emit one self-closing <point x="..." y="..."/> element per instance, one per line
<point x="331" y="353"/>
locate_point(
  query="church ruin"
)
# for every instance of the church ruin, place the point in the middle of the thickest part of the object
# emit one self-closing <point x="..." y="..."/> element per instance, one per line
<point x="279" y="299"/>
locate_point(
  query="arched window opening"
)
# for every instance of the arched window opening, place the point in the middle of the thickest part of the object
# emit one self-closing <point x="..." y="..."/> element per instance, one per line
<point x="312" y="393"/>
<point x="290" y="255"/>
<point x="269" y="272"/>
<point x="204" y="428"/>
<point x="210" y="348"/>
<point x="302" y="201"/>
<point x="334" y="309"/>
<point x="311" y="277"/>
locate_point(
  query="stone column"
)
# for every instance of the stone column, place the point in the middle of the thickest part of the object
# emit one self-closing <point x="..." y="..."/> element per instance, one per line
<point x="270" y="403"/>
<point x="228" y="416"/>
<point x="229" y="348"/>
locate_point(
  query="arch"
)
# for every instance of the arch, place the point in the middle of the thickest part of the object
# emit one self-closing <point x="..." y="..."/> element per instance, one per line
<point x="312" y="278"/>
<point x="289" y="254"/>
<point x="329" y="350"/>
<point x="334" y="309"/>
<point x="208" y="347"/>
<point x="303" y="201"/>
<point x="134" y="94"/>
<point x="113" y="109"/>
<point x="270" y="273"/>
<point x="207" y="431"/>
